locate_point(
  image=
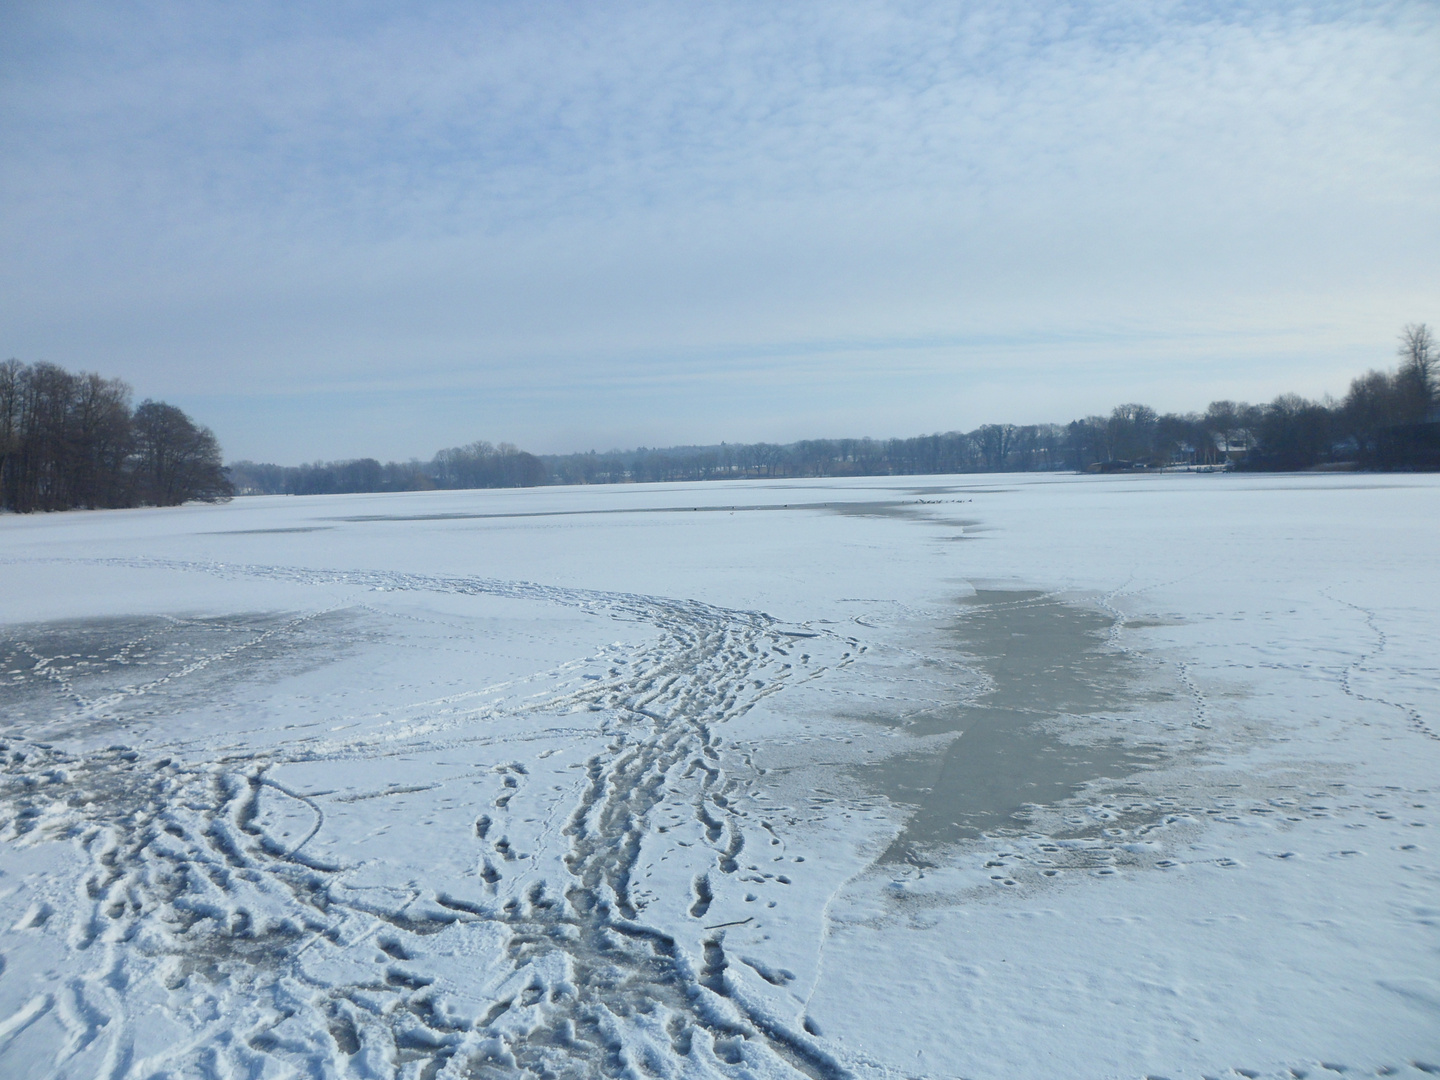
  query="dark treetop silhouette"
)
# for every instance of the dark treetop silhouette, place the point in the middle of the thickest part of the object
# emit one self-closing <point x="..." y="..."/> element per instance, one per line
<point x="1388" y="420"/>
<point x="69" y="441"/>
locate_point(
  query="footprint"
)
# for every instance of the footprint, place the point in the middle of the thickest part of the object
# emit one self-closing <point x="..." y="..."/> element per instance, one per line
<point x="394" y="949"/>
<point x="35" y="917"/>
<point x="712" y="974"/>
<point x="773" y="976"/>
<point x="703" y="897"/>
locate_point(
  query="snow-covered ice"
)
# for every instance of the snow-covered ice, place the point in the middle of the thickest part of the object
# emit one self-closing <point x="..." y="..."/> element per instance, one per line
<point x="1017" y="776"/>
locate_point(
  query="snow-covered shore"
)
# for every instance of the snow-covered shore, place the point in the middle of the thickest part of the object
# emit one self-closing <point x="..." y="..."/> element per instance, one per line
<point x="933" y="777"/>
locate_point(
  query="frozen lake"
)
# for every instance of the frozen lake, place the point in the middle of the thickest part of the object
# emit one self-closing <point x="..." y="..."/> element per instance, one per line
<point x="1000" y="776"/>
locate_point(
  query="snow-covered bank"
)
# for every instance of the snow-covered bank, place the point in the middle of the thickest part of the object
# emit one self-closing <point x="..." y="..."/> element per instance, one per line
<point x="675" y="781"/>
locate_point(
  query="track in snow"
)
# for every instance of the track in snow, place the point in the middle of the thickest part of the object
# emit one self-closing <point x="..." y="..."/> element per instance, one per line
<point x="271" y="963"/>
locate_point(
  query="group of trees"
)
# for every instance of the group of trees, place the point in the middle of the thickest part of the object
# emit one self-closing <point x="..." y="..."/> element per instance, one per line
<point x="1392" y="416"/>
<point x="478" y="465"/>
<point x="72" y="440"/>
<point x="992" y="448"/>
<point x="1388" y="420"/>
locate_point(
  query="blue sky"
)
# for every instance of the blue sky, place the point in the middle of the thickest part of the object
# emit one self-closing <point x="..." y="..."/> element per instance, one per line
<point x="344" y="230"/>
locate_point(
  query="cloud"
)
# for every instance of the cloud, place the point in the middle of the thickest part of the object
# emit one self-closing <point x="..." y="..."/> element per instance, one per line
<point x="628" y="200"/>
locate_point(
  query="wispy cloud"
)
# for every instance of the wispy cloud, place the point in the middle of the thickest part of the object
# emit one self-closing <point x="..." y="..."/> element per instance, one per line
<point x="632" y="200"/>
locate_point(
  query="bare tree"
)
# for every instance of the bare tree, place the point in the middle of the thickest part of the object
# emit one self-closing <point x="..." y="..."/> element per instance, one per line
<point x="98" y="441"/>
<point x="12" y="377"/>
<point x="175" y="461"/>
<point x="1417" y="356"/>
<point x="1132" y="432"/>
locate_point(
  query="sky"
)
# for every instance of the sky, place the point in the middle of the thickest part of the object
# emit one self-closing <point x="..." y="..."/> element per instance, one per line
<point x="341" y="230"/>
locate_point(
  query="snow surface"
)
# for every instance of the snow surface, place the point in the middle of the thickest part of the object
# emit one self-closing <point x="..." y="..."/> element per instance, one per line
<point x="674" y="781"/>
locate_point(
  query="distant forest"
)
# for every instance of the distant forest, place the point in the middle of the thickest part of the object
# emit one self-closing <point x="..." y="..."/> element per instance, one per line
<point x="1387" y="420"/>
<point x="70" y="441"/>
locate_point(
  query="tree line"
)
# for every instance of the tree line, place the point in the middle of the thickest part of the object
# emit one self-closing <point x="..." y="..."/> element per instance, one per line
<point x="478" y="465"/>
<point x="71" y="440"/>
<point x="1387" y="420"/>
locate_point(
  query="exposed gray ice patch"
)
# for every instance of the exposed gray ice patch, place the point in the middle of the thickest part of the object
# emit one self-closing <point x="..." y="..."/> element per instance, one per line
<point x="78" y="678"/>
<point x="1043" y="660"/>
